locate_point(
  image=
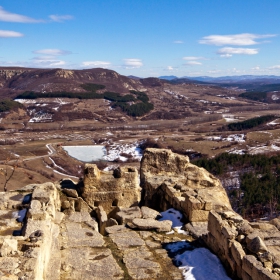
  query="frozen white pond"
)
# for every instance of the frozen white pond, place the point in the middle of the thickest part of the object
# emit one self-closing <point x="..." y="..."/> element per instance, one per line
<point x="86" y="153"/>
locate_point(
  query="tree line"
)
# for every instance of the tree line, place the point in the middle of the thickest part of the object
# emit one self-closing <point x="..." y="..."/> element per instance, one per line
<point x="259" y="178"/>
<point x="140" y="106"/>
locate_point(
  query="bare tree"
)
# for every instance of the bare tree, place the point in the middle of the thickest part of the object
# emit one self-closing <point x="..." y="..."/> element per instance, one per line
<point x="8" y="171"/>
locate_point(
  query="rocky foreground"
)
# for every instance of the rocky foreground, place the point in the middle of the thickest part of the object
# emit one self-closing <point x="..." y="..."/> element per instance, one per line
<point x="101" y="229"/>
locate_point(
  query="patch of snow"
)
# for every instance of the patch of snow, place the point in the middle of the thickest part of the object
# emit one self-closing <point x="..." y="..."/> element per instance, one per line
<point x="274" y="97"/>
<point x="229" y="138"/>
<point x="238" y="152"/>
<point x="41" y="116"/>
<point x="275" y="122"/>
<point x="26" y="101"/>
<point x="201" y="264"/>
<point x="115" y="151"/>
<point x="173" y="215"/>
<point x="263" y="149"/>
<point x="20" y="215"/>
<point x="202" y="101"/>
<point x="54" y="164"/>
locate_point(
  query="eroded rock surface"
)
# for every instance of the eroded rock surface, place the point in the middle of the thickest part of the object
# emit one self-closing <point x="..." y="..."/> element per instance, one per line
<point x="57" y="233"/>
<point x="170" y="180"/>
<point x="111" y="189"/>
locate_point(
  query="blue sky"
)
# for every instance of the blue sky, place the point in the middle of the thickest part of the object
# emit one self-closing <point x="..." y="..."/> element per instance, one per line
<point x="143" y="37"/>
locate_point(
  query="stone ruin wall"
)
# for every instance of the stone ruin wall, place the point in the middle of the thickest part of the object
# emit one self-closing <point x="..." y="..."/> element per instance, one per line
<point x="110" y="189"/>
<point x="250" y="251"/>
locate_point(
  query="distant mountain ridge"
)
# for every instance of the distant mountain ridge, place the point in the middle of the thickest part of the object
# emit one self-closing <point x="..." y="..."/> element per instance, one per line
<point x="228" y="79"/>
<point x="15" y="80"/>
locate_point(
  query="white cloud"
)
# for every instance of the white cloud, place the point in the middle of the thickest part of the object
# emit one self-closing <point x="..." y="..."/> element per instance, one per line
<point x="274" y="67"/>
<point x="133" y="63"/>
<point x="178" y="42"/>
<point x="49" y="58"/>
<point x="48" y="63"/>
<point x="227" y="55"/>
<point x="52" y="52"/>
<point x="193" y="62"/>
<point x="11" y="17"/>
<point x="96" y="63"/>
<point x="213" y="71"/>
<point x="9" y="34"/>
<point x="244" y="39"/>
<point x="170" y="68"/>
<point x="257" y="68"/>
<point x="193" y="58"/>
<point x="61" y="18"/>
<point x="228" y="51"/>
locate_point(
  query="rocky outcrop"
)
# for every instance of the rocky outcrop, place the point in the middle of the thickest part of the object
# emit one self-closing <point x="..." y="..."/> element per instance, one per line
<point x="58" y="242"/>
<point x="249" y="250"/>
<point x="111" y="189"/>
<point x="170" y="180"/>
<point x="48" y="231"/>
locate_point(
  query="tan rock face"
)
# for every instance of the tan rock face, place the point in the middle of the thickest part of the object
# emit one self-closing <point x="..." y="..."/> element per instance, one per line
<point x="169" y="179"/>
<point x="111" y="189"/>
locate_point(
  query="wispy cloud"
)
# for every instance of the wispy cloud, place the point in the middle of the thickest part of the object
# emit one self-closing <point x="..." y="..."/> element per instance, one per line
<point x="228" y="51"/>
<point x="60" y="18"/>
<point x="48" y="62"/>
<point x="274" y="67"/>
<point x="178" y="42"/>
<point x="52" y="52"/>
<point x="193" y="60"/>
<point x="132" y="63"/>
<point x="244" y="39"/>
<point x="11" y="17"/>
<point x="96" y="63"/>
<point x="49" y="58"/>
<point x="170" y="68"/>
<point x="10" y="34"/>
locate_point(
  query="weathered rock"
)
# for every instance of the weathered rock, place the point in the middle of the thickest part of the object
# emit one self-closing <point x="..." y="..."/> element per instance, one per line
<point x="276" y="223"/>
<point x="255" y="244"/>
<point x="140" y="264"/>
<point x="196" y="229"/>
<point x="9" y="247"/>
<point x="103" y="188"/>
<point x="65" y="204"/>
<point x="128" y="214"/>
<point x="102" y="219"/>
<point x="170" y="180"/>
<point x="126" y="239"/>
<point x="111" y="222"/>
<point x="70" y="192"/>
<point x="151" y="224"/>
<point x="149" y="213"/>
<point x="116" y="228"/>
<point x="264" y="226"/>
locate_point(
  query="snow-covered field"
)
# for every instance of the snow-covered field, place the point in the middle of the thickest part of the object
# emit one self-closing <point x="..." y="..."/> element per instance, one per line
<point x="263" y="149"/>
<point x="275" y="122"/>
<point x="196" y="263"/>
<point x="229" y="138"/>
<point x="118" y="151"/>
<point x="86" y="153"/>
